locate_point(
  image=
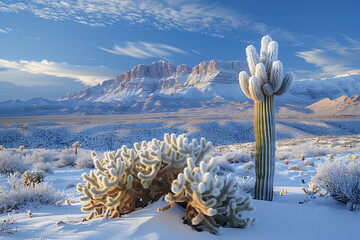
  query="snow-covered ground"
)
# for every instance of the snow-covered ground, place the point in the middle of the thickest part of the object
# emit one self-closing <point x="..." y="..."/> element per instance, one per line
<point x="105" y="133"/>
<point x="292" y="215"/>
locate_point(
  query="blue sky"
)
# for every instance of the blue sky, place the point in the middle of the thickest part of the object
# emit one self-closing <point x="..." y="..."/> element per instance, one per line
<point x="49" y="48"/>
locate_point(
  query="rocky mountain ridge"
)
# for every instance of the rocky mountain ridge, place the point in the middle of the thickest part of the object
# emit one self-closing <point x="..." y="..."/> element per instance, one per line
<point x="164" y="87"/>
<point x="160" y="77"/>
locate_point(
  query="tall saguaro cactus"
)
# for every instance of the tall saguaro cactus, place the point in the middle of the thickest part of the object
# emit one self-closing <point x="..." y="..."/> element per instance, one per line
<point x="266" y="81"/>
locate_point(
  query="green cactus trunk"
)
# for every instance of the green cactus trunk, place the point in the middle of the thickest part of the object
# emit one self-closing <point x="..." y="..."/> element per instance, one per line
<point x="265" y="148"/>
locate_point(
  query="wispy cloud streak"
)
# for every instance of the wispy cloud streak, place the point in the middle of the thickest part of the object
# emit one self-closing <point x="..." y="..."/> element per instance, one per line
<point x="335" y="58"/>
<point x="87" y="75"/>
<point x="144" y="50"/>
<point x="183" y="15"/>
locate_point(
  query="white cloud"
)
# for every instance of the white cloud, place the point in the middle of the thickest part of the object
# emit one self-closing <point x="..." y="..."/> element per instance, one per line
<point x="184" y="15"/>
<point x="335" y="58"/>
<point x="87" y="75"/>
<point x="5" y="30"/>
<point x="144" y="50"/>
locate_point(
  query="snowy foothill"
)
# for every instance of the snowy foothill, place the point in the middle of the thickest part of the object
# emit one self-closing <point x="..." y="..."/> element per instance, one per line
<point x="292" y="214"/>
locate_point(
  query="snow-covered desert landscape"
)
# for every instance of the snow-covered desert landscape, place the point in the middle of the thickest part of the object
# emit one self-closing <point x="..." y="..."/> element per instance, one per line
<point x="292" y="213"/>
<point x="162" y="119"/>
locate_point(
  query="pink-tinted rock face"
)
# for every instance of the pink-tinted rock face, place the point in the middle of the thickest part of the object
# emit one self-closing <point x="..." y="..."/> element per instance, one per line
<point x="160" y="76"/>
<point x="155" y="70"/>
<point x="213" y="66"/>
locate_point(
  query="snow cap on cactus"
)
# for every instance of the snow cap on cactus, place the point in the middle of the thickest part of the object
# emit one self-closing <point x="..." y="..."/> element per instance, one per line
<point x="267" y="70"/>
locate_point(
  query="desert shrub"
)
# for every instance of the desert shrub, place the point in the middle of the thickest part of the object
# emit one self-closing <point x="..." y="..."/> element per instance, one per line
<point x="311" y="150"/>
<point x="6" y="224"/>
<point x="39" y="159"/>
<point x="308" y="163"/>
<point x="84" y="160"/>
<point x="65" y="160"/>
<point x="69" y="185"/>
<point x="11" y="162"/>
<point x="341" y="180"/>
<point x="43" y="166"/>
<point x="295" y="167"/>
<point x="247" y="184"/>
<point x="233" y="157"/>
<point x="226" y="160"/>
<point x="248" y="165"/>
<point x="18" y="195"/>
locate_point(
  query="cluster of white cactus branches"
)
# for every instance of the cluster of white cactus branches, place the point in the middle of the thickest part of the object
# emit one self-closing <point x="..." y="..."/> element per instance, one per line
<point x="266" y="80"/>
<point x="130" y="178"/>
<point x="212" y="201"/>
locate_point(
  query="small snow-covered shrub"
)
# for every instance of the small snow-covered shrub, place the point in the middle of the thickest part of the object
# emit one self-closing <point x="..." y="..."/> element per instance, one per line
<point x="233" y="157"/>
<point x="69" y="185"/>
<point x="19" y="195"/>
<point x="39" y="159"/>
<point x="84" y="160"/>
<point x="212" y="200"/>
<point x="308" y="163"/>
<point x="248" y="165"/>
<point x="6" y="224"/>
<point x="295" y="167"/>
<point x="43" y="166"/>
<point x="247" y="184"/>
<point x="341" y="180"/>
<point x="225" y="161"/>
<point x="65" y="160"/>
<point x="310" y="149"/>
<point x="11" y="162"/>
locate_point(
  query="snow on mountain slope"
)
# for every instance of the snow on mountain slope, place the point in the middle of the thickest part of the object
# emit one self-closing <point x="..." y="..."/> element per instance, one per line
<point x="342" y="105"/>
<point x="163" y="87"/>
<point x="205" y="81"/>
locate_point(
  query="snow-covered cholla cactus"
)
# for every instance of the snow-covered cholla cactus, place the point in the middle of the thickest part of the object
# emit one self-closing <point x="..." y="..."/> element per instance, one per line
<point x="76" y="145"/>
<point x="21" y="147"/>
<point x="32" y="177"/>
<point x="212" y="200"/>
<point x="131" y="178"/>
<point x="266" y="80"/>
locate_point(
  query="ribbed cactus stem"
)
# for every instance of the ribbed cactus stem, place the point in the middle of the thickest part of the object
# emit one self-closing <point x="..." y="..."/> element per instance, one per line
<point x="265" y="148"/>
<point x="266" y="81"/>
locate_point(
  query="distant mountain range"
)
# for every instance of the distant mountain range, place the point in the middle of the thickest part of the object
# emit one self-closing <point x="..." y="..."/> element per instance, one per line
<point x="163" y="87"/>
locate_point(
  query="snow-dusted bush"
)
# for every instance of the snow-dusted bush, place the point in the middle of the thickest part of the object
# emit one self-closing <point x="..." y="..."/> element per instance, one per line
<point x="310" y="149"/>
<point x="248" y="165"/>
<point x="295" y="167"/>
<point x="226" y="160"/>
<point x="84" y="160"/>
<point x="247" y="184"/>
<point x="39" y="159"/>
<point x="233" y="157"/>
<point x="65" y="160"/>
<point x="308" y="163"/>
<point x="19" y="195"/>
<point x="341" y="180"/>
<point x="6" y="224"/>
<point x="212" y="200"/>
<point x="11" y="162"/>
